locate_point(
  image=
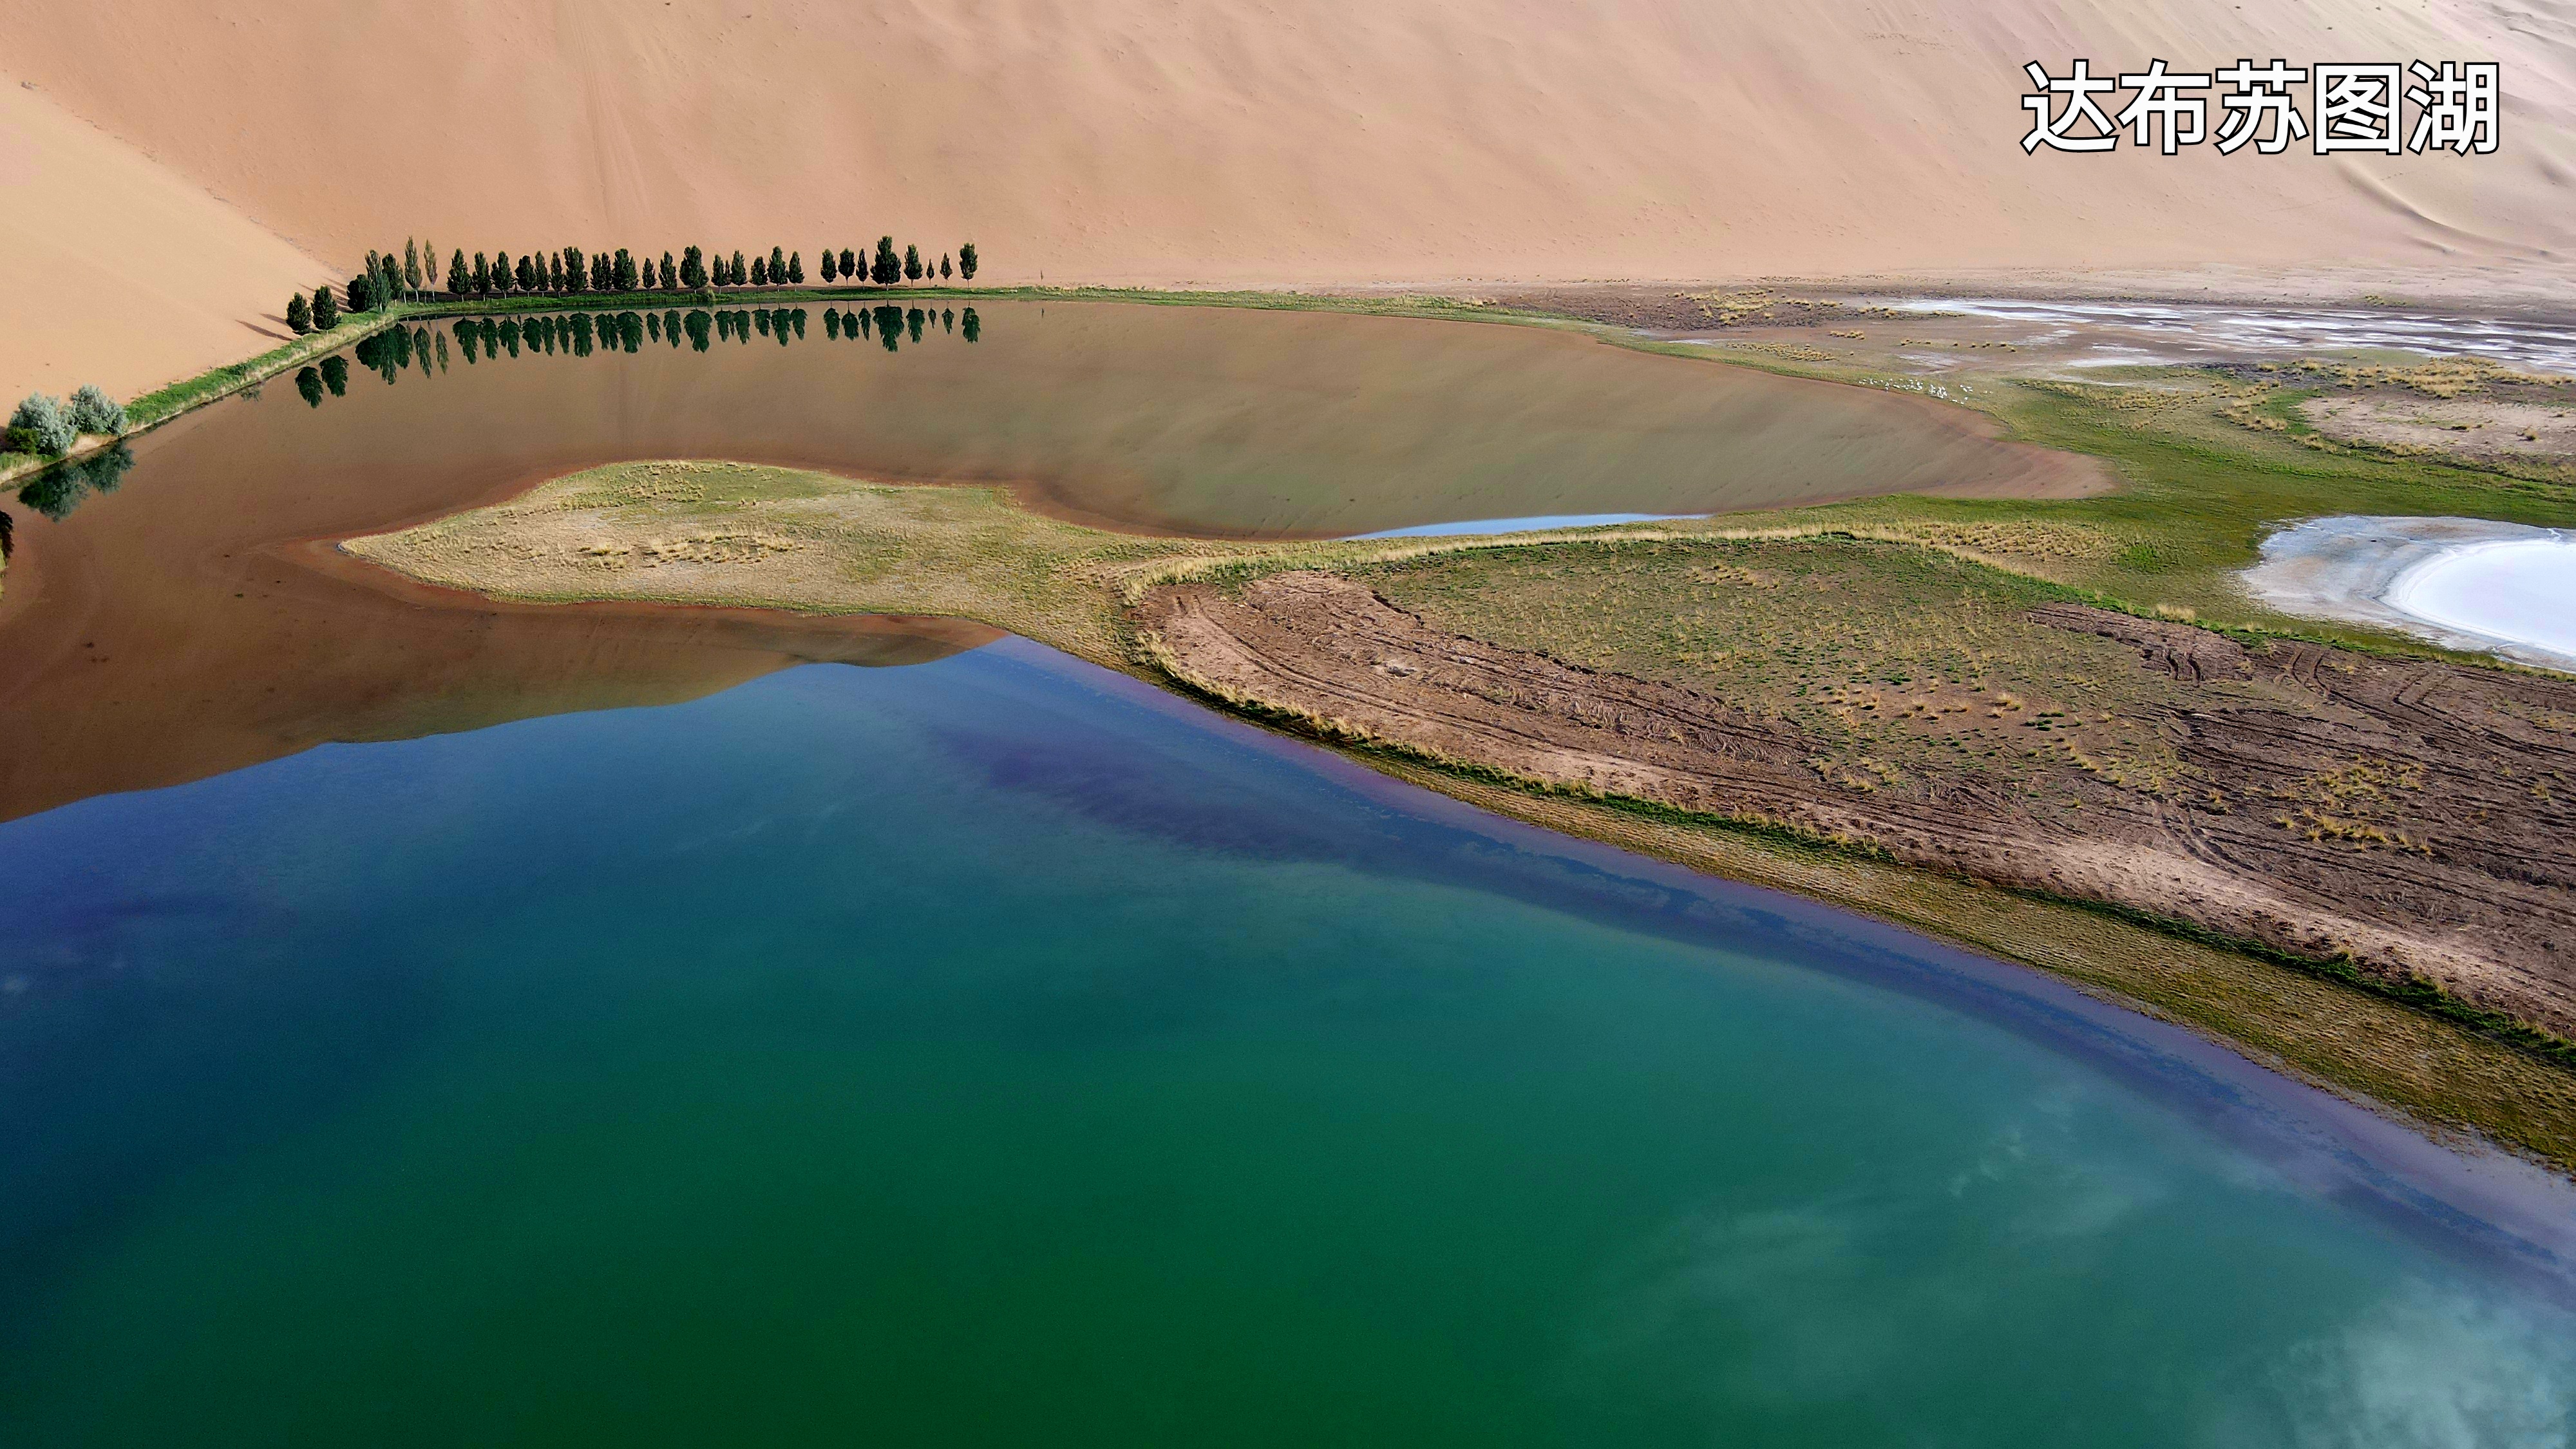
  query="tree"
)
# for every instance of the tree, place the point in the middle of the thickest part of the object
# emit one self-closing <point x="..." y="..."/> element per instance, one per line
<point x="411" y="264"/>
<point x="93" y="411"/>
<point x="670" y="276"/>
<point x="795" y="266"/>
<point x="482" y="275"/>
<point x="911" y="262"/>
<point x="888" y="269"/>
<point x="966" y="262"/>
<point x="326" y="310"/>
<point x="740" y="275"/>
<point x="299" y="314"/>
<point x="576" y="275"/>
<point x="621" y="273"/>
<point x="501" y="273"/>
<point x="530" y="279"/>
<point x="429" y="259"/>
<point x="693" y="269"/>
<point x="828" y="270"/>
<point x="554" y="273"/>
<point x="943" y="266"/>
<point x="38" y="426"/>
<point x="759" y="272"/>
<point x="360" y="295"/>
<point x="457" y="277"/>
<point x="849" y="264"/>
<point x="777" y="267"/>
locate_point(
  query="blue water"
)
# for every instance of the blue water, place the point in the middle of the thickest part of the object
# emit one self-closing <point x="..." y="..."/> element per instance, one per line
<point x="994" y="1051"/>
<point x="1541" y="523"/>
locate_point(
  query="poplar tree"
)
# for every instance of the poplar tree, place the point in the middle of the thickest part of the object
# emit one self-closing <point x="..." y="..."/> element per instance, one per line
<point x="777" y="267"/>
<point x="759" y="272"/>
<point x="888" y="268"/>
<point x="482" y="275"/>
<point x="827" y="269"/>
<point x="738" y="272"/>
<point x="693" y="269"/>
<point x="411" y="264"/>
<point x="429" y="261"/>
<point x="795" y="266"/>
<point x="359" y="299"/>
<point x="849" y="264"/>
<point x="575" y="277"/>
<point x="943" y="266"/>
<point x="501" y="273"/>
<point x="457" y="277"/>
<point x="554" y="273"/>
<point x="911" y="262"/>
<point x="670" y="276"/>
<point x="326" y="310"/>
<point x="966" y="262"/>
<point x="299" y="314"/>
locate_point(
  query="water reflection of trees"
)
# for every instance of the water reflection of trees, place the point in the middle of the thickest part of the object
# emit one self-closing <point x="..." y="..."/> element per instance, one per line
<point x="59" y="489"/>
<point x="397" y="350"/>
<point x="478" y="340"/>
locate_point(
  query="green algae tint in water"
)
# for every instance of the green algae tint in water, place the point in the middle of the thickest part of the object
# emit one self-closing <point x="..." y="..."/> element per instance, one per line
<point x="988" y="1053"/>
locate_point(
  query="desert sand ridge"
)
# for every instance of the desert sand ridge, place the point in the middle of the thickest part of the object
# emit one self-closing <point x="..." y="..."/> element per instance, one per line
<point x="1327" y="143"/>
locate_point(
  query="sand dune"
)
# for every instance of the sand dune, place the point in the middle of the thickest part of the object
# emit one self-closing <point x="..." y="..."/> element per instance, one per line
<point x="1334" y="141"/>
<point x="118" y="270"/>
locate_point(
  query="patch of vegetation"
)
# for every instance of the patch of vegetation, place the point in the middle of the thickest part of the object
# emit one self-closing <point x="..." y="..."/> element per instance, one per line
<point x="1903" y="659"/>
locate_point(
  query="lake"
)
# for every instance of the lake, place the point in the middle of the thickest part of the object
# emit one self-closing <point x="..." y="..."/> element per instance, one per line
<point x="426" y="1021"/>
<point x="992" y="1050"/>
<point x="194" y="617"/>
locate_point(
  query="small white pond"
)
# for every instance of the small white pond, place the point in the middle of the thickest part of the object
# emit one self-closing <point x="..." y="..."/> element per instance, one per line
<point x="2468" y="583"/>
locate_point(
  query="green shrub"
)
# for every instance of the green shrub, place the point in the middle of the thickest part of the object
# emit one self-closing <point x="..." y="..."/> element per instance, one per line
<point x="38" y="426"/>
<point x="93" y="411"/>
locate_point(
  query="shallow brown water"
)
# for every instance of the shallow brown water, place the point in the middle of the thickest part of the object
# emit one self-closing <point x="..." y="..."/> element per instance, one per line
<point x="196" y="619"/>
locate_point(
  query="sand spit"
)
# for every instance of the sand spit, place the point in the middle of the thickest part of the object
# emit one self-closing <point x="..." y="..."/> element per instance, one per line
<point x="2464" y="583"/>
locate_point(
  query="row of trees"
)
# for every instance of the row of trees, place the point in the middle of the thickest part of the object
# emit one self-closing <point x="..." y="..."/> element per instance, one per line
<point x="572" y="272"/>
<point x="48" y="426"/>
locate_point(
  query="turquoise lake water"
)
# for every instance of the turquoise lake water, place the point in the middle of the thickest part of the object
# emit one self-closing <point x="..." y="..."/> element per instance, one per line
<point x="993" y="1051"/>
